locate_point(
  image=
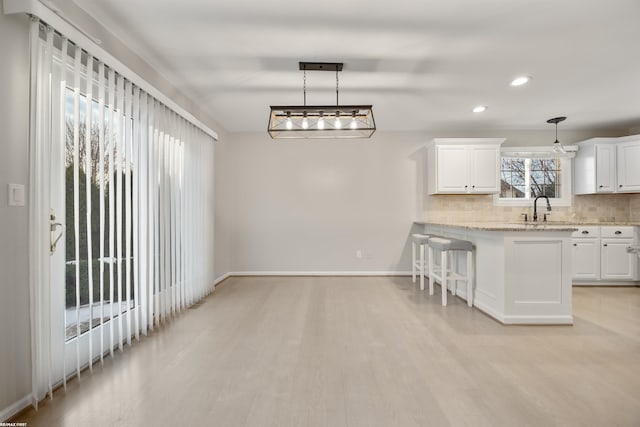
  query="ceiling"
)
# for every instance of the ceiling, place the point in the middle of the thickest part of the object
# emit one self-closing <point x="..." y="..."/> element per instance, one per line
<point x="423" y="64"/>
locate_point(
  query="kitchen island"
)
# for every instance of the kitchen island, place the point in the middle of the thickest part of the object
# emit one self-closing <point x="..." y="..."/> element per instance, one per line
<point x="523" y="270"/>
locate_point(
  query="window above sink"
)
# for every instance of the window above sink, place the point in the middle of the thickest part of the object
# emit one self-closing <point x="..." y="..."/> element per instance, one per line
<point x="524" y="175"/>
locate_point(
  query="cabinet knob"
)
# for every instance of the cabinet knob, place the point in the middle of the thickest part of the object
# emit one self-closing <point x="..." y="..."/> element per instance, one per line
<point x="601" y="186"/>
<point x="605" y="245"/>
<point x="575" y="244"/>
<point x="618" y="232"/>
<point x="620" y="186"/>
<point x="585" y="232"/>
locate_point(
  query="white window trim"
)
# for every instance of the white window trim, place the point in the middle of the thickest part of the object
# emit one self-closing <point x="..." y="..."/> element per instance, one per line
<point x="566" y="174"/>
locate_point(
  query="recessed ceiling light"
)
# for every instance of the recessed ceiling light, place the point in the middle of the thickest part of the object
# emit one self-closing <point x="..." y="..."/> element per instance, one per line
<point x="480" y="109"/>
<point x="519" y="81"/>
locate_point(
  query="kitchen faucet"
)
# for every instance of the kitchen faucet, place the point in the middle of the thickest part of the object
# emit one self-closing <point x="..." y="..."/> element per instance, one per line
<point x="535" y="208"/>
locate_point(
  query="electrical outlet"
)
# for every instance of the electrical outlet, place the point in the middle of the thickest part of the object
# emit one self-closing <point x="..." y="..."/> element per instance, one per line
<point x="359" y="254"/>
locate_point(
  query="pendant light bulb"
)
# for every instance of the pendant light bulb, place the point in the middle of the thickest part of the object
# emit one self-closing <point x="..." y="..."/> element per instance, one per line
<point x="558" y="148"/>
<point x="338" y="123"/>
<point x="321" y="122"/>
<point x="289" y="123"/>
<point x="354" y="123"/>
<point x="305" y="122"/>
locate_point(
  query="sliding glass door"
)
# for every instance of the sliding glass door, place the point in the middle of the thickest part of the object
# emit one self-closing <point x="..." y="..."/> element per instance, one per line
<point x="92" y="176"/>
<point x="121" y="189"/>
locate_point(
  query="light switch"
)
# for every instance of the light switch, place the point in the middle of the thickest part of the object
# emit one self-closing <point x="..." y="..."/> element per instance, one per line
<point x="16" y="195"/>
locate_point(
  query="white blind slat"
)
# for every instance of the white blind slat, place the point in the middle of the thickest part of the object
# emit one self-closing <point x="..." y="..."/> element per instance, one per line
<point x="63" y="137"/>
<point x="88" y="155"/>
<point x="156" y="212"/>
<point x="112" y="208"/>
<point x="119" y="196"/>
<point x="76" y="191"/>
<point x="128" y="155"/>
<point x="101" y="171"/>
<point x="47" y="68"/>
<point x="135" y="160"/>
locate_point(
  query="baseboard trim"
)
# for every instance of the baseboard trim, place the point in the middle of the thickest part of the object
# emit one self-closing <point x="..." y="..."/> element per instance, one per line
<point x="620" y="284"/>
<point x="488" y="310"/>
<point x="15" y="408"/>
<point x="539" y="320"/>
<point x="319" y="273"/>
<point x="220" y="280"/>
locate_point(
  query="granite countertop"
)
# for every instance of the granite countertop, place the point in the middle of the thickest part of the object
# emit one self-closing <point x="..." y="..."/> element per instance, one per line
<point x="595" y="223"/>
<point x="520" y="226"/>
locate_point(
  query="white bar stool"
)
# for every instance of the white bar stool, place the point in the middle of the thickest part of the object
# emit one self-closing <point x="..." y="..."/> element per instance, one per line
<point x="444" y="274"/>
<point x="419" y="264"/>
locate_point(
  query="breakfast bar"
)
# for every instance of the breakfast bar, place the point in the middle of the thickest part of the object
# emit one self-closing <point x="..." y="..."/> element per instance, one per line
<point x="523" y="270"/>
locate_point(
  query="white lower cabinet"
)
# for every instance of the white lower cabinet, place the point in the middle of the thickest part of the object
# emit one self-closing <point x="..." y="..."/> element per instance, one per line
<point x="586" y="258"/>
<point x="616" y="263"/>
<point x="600" y="255"/>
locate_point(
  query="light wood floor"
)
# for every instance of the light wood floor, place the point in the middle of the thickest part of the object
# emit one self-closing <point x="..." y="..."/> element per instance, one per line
<point x="363" y="351"/>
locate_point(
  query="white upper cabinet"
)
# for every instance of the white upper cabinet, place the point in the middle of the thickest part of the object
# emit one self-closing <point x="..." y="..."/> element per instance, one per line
<point x="463" y="166"/>
<point x="607" y="165"/>
<point x="451" y="169"/>
<point x="628" y="161"/>
<point x="484" y="168"/>
<point x="605" y="168"/>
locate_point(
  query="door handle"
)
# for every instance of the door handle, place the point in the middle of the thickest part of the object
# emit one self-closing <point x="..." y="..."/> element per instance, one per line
<point x="55" y="241"/>
<point x="54" y="225"/>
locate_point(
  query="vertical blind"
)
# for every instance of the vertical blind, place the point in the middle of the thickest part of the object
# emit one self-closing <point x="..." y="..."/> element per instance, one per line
<point x="136" y="178"/>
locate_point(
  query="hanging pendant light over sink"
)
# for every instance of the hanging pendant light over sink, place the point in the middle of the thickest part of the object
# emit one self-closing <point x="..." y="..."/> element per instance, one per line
<point x="557" y="147"/>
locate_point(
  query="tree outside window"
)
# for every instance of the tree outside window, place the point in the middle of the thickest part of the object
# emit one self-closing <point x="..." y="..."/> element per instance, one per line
<point x="525" y="178"/>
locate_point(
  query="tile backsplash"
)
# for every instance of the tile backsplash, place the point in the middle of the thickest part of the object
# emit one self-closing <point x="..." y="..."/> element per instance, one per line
<point x="587" y="208"/>
<point x="634" y="208"/>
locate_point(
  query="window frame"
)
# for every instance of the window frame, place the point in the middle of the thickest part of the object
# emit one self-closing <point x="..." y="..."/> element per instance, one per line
<point x="565" y="176"/>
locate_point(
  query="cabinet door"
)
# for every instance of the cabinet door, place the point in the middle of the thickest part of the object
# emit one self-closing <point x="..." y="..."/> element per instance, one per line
<point x="452" y="169"/>
<point x="586" y="259"/>
<point x="628" y="161"/>
<point x="616" y="262"/>
<point x="484" y="169"/>
<point x="605" y="168"/>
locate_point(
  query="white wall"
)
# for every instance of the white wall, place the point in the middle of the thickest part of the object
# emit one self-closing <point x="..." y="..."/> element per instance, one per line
<point x="15" y="356"/>
<point x="224" y="207"/>
<point x="309" y="205"/>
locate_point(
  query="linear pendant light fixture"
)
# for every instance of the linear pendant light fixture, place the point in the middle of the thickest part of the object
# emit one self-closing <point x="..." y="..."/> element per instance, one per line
<point x="321" y="121"/>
